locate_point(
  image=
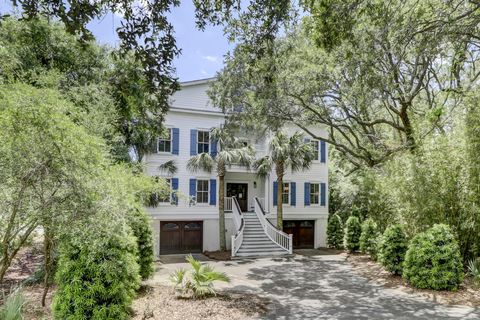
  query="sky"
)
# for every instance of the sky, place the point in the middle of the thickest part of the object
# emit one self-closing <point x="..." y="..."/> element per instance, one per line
<point x="202" y="51"/>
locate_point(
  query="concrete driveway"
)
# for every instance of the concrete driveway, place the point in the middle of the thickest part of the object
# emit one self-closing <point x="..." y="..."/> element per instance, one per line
<point x="309" y="286"/>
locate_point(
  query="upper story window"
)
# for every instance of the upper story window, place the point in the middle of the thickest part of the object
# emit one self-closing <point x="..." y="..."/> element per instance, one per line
<point x="314" y="193"/>
<point x="165" y="142"/>
<point x="286" y="193"/>
<point x="167" y="198"/>
<point x="202" y="191"/>
<point x="316" y="149"/>
<point x="203" y="141"/>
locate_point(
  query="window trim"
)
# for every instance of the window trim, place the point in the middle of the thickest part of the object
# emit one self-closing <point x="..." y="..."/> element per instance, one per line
<point x="310" y="194"/>
<point x="312" y="141"/>
<point x="171" y="142"/>
<point x="203" y="143"/>
<point x="207" y="191"/>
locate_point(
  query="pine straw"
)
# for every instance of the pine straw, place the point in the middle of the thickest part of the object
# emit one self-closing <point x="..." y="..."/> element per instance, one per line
<point x="468" y="294"/>
<point x="160" y="302"/>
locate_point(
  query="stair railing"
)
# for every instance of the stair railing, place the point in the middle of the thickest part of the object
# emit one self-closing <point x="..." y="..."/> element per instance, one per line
<point x="239" y="222"/>
<point x="279" y="237"/>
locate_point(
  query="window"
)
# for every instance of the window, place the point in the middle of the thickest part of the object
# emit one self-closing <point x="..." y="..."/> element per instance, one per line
<point x="167" y="198"/>
<point x="202" y="191"/>
<point x="165" y="142"/>
<point x="286" y="193"/>
<point x="203" y="141"/>
<point x="314" y="193"/>
<point x="315" y="146"/>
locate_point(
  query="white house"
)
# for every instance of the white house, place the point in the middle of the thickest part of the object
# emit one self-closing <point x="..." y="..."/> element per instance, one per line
<point x="187" y="221"/>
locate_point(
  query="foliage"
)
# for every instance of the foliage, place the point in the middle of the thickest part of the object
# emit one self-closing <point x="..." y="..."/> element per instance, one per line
<point x="474" y="270"/>
<point x="199" y="281"/>
<point x="139" y="221"/>
<point x="335" y="232"/>
<point x="12" y="308"/>
<point x="353" y="231"/>
<point x="433" y="260"/>
<point x="98" y="274"/>
<point x="392" y="249"/>
<point x="369" y="238"/>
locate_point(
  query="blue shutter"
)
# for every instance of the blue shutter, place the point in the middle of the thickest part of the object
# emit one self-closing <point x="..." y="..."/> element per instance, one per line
<point x="193" y="142"/>
<point x="306" y="195"/>
<point x="275" y="190"/>
<point x="193" y="187"/>
<point x="323" y="151"/>
<point x="175" y="189"/>
<point x="213" y="192"/>
<point x="175" y="140"/>
<point x="213" y="147"/>
<point x="293" y="194"/>
<point x="323" y="194"/>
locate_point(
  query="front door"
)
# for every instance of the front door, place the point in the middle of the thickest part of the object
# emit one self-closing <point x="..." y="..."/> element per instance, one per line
<point x="240" y="191"/>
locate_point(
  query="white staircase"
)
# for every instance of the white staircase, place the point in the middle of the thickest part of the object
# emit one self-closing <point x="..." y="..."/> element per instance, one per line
<point x="255" y="240"/>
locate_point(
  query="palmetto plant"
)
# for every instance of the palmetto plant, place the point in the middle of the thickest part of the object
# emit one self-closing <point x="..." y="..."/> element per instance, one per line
<point x="285" y="153"/>
<point x="199" y="281"/>
<point x="231" y="152"/>
<point x="12" y="309"/>
<point x="168" y="167"/>
<point x="474" y="270"/>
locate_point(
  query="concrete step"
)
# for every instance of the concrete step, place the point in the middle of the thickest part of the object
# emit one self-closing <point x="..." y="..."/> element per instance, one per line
<point x="256" y="242"/>
<point x="261" y="250"/>
<point x="241" y="255"/>
<point x="259" y="245"/>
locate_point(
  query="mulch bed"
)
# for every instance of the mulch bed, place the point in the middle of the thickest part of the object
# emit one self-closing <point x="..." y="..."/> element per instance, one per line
<point x="468" y="294"/>
<point x="161" y="302"/>
<point x="219" y="255"/>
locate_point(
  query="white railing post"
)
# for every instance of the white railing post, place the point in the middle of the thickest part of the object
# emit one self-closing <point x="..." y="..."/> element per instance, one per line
<point x="233" y="246"/>
<point x="290" y="243"/>
<point x="239" y="222"/>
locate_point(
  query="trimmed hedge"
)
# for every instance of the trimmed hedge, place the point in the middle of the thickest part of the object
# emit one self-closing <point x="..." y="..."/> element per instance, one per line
<point x="97" y="275"/>
<point x="142" y="230"/>
<point x="353" y="231"/>
<point x="433" y="260"/>
<point x="368" y="238"/>
<point x="393" y="246"/>
<point x="335" y="232"/>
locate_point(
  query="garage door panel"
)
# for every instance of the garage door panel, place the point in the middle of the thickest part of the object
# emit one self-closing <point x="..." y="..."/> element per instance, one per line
<point x="181" y="237"/>
<point x="303" y="232"/>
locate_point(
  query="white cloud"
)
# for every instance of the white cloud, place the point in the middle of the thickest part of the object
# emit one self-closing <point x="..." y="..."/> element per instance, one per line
<point x="203" y="72"/>
<point x="214" y="59"/>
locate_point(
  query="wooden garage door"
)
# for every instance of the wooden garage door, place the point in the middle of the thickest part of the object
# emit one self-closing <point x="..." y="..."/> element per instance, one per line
<point x="303" y="232"/>
<point x="181" y="237"/>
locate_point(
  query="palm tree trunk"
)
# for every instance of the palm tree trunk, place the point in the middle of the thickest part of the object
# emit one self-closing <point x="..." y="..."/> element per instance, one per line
<point x="280" y="202"/>
<point x="221" y="211"/>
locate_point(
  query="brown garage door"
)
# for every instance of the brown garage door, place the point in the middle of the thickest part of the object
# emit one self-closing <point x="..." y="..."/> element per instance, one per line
<point x="181" y="237"/>
<point x="303" y="232"/>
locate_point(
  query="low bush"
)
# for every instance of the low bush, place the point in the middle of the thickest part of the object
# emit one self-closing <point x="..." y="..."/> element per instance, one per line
<point x="97" y="274"/>
<point x="142" y="230"/>
<point x="433" y="260"/>
<point x="368" y="238"/>
<point x="392" y="248"/>
<point x="199" y="281"/>
<point x="335" y="232"/>
<point x="474" y="270"/>
<point x="353" y="231"/>
<point x="12" y="309"/>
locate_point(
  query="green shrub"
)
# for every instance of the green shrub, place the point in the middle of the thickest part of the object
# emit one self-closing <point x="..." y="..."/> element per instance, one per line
<point x="433" y="260"/>
<point x="12" y="309"/>
<point x="199" y="281"/>
<point x="335" y="232"/>
<point x="392" y="248"/>
<point x="368" y="238"/>
<point x="474" y="270"/>
<point x="142" y="230"/>
<point x="97" y="275"/>
<point x="353" y="230"/>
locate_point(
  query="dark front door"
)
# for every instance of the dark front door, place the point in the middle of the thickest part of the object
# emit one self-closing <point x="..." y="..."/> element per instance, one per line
<point x="181" y="237"/>
<point x="302" y="231"/>
<point x="240" y="191"/>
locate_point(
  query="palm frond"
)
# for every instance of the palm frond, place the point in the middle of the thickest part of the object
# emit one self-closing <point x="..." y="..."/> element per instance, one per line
<point x="168" y="167"/>
<point x="263" y="166"/>
<point x="202" y="161"/>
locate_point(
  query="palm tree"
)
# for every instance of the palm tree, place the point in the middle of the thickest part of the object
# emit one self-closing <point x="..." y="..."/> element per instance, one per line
<point x="285" y="153"/>
<point x="232" y="151"/>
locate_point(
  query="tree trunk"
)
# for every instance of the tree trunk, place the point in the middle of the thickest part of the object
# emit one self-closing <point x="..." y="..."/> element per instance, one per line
<point x="280" y="199"/>
<point x="221" y="210"/>
<point x="47" y="251"/>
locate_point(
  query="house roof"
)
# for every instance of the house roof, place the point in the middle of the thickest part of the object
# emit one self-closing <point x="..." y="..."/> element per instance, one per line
<point x="195" y="82"/>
